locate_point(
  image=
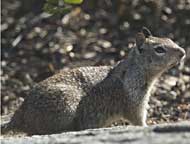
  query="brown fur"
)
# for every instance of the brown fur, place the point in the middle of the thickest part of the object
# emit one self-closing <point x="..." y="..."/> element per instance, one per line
<point x="92" y="97"/>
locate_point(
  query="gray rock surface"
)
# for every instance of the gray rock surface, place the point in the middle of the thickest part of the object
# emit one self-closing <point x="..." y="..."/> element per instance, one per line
<point x="176" y="133"/>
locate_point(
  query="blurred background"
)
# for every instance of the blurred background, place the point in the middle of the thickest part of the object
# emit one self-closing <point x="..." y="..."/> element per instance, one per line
<point x="36" y="45"/>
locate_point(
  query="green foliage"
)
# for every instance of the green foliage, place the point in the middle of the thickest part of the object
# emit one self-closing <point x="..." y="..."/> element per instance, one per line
<point x="60" y="6"/>
<point x="73" y="1"/>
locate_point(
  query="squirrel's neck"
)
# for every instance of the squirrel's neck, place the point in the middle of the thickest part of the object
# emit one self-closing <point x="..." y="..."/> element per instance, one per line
<point x="137" y="81"/>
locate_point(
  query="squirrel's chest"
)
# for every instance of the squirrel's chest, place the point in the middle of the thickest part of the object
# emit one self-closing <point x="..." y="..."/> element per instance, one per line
<point x="136" y="87"/>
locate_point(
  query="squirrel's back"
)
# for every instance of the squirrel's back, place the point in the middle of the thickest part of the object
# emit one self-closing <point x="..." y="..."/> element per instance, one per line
<point x="53" y="102"/>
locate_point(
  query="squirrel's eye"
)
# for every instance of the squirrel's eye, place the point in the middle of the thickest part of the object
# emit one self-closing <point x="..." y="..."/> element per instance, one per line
<point x="160" y="49"/>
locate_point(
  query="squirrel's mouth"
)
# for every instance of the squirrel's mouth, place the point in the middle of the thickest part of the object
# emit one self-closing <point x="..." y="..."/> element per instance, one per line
<point x="178" y="63"/>
<point x="174" y="64"/>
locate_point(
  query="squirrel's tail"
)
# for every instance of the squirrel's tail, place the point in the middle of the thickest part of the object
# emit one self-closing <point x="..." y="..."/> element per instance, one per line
<point x="5" y="128"/>
<point x="6" y="125"/>
<point x="10" y="123"/>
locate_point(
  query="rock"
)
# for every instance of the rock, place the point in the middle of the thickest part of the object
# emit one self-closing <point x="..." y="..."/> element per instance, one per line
<point x="171" y="80"/>
<point x="166" y="133"/>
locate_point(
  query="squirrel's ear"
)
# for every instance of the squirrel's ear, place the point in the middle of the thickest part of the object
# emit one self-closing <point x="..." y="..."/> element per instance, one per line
<point x="146" y="32"/>
<point x="140" y="39"/>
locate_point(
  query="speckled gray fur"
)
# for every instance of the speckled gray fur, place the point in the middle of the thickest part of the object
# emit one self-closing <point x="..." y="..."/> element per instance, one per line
<point x="92" y="97"/>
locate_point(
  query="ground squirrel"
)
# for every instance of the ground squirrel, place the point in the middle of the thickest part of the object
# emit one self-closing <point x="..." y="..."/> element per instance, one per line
<point x="93" y="97"/>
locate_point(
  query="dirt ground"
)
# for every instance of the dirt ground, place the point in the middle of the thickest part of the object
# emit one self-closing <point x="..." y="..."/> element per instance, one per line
<point x="36" y="45"/>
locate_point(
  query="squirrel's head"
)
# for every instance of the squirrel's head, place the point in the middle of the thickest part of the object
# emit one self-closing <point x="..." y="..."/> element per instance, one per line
<point x="157" y="54"/>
